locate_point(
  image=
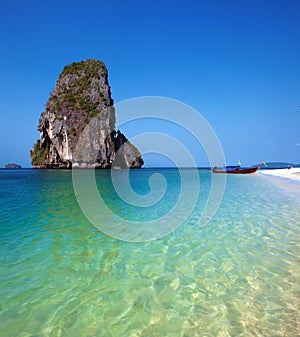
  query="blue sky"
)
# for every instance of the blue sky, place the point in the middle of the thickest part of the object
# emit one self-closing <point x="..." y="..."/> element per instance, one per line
<point x="236" y="62"/>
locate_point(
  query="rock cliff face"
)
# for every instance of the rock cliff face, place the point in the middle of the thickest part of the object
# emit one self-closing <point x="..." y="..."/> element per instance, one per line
<point x="77" y="128"/>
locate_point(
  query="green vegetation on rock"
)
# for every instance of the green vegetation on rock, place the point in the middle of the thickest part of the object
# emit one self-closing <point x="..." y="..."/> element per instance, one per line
<point x="90" y="68"/>
<point x="80" y="87"/>
<point x="39" y="155"/>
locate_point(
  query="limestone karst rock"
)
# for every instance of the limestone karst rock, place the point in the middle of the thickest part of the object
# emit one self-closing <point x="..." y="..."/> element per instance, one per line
<point x="77" y="128"/>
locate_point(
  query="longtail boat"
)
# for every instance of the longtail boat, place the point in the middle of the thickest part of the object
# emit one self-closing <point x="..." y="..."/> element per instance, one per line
<point x="238" y="170"/>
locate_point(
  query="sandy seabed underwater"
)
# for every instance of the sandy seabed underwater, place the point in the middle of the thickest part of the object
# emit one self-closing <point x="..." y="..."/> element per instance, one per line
<point x="61" y="276"/>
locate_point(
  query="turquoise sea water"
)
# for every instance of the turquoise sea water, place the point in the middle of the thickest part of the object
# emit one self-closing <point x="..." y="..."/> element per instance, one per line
<point x="60" y="276"/>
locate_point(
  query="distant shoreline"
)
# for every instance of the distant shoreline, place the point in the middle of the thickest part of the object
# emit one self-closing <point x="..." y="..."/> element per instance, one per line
<point x="291" y="174"/>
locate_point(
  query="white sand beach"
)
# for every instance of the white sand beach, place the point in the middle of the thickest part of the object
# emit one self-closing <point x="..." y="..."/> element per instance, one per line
<point x="293" y="173"/>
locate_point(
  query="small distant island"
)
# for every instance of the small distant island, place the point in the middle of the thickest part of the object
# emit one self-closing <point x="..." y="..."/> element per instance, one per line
<point x="12" y="166"/>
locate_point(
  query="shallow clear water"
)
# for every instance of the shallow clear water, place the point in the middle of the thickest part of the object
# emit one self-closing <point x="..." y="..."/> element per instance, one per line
<point x="60" y="276"/>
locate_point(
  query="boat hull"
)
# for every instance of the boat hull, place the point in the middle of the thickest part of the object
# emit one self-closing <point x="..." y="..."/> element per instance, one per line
<point x="237" y="171"/>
